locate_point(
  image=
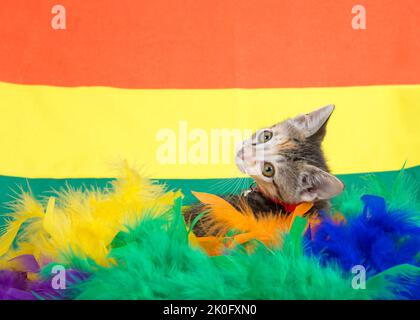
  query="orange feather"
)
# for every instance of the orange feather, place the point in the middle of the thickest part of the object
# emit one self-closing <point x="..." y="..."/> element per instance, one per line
<point x="222" y="217"/>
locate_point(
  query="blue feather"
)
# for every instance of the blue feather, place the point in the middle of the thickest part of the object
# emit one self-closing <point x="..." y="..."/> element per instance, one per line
<point x="378" y="239"/>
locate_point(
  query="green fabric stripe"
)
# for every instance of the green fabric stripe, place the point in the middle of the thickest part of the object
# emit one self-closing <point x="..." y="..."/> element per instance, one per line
<point x="42" y="187"/>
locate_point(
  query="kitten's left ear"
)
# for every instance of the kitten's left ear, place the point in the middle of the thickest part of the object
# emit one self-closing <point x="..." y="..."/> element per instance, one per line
<point x="314" y="124"/>
<point x="316" y="184"/>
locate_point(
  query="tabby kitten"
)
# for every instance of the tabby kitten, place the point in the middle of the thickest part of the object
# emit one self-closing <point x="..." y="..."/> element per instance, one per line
<point x="288" y="166"/>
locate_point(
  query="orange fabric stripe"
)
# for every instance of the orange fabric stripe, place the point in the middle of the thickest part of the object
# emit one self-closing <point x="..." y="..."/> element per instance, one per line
<point x="210" y="43"/>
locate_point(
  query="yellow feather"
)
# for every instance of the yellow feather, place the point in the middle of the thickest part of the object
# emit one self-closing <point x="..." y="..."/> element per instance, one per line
<point x="85" y="222"/>
<point x="25" y="209"/>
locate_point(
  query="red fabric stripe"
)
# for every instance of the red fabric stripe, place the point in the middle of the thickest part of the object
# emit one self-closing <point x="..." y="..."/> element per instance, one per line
<point x="210" y="43"/>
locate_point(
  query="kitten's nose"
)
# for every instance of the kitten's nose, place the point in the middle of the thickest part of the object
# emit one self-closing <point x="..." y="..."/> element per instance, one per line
<point x="241" y="154"/>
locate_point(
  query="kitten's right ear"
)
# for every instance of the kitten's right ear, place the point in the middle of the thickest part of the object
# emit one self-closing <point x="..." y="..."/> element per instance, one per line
<point x="316" y="184"/>
<point x="314" y="123"/>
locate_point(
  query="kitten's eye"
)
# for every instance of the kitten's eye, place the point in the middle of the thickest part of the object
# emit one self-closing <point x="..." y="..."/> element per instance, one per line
<point x="265" y="136"/>
<point x="268" y="170"/>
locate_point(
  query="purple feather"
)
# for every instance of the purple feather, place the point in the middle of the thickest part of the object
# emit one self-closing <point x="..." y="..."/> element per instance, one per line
<point x="26" y="262"/>
<point x="15" y="285"/>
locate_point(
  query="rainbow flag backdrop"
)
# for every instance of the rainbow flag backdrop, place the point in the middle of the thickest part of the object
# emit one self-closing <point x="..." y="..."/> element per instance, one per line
<point x="75" y="102"/>
<point x="129" y="93"/>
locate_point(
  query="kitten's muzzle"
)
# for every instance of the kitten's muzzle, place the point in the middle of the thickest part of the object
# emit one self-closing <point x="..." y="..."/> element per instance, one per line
<point x="241" y="154"/>
<point x="247" y="155"/>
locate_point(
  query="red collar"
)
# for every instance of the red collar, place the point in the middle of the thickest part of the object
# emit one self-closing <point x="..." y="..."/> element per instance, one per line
<point x="288" y="207"/>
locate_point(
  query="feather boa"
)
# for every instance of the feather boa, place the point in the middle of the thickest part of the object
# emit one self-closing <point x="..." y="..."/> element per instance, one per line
<point x="131" y="242"/>
<point x="154" y="260"/>
<point x="222" y="218"/>
<point x="82" y="222"/>
<point x="377" y="238"/>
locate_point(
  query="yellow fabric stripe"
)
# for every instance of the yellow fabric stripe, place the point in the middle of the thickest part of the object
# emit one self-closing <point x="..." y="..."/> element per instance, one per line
<point x="55" y="132"/>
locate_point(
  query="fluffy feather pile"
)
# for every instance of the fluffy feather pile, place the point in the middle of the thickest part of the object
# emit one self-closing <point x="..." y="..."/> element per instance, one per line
<point x="130" y="242"/>
<point x="82" y="222"/>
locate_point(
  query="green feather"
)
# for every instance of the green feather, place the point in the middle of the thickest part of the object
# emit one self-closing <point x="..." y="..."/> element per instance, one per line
<point x="401" y="193"/>
<point x="154" y="261"/>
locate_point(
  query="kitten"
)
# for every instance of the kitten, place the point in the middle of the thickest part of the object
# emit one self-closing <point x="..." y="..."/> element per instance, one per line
<point x="288" y="166"/>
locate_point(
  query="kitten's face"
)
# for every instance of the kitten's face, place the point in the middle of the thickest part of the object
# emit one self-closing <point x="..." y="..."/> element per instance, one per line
<point x="287" y="162"/>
